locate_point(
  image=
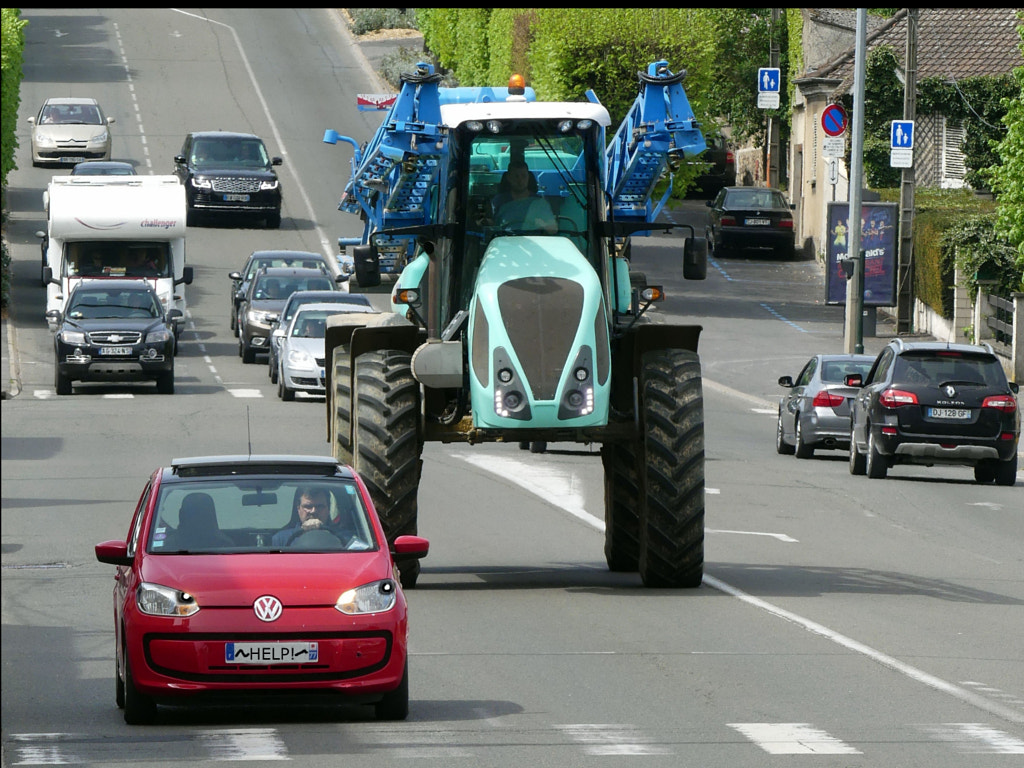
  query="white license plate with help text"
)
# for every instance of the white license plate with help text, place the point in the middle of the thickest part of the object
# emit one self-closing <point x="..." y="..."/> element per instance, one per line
<point x="949" y="413"/>
<point x="116" y="351"/>
<point x="757" y="222"/>
<point x="271" y="653"/>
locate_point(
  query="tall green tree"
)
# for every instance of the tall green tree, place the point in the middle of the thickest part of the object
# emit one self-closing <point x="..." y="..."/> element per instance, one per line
<point x="12" y="47"/>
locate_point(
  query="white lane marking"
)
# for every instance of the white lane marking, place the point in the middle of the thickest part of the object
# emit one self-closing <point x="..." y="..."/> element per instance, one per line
<point x="549" y="488"/>
<point x="296" y="182"/>
<point x="766" y="411"/>
<point x="885" y="660"/>
<point x="46" y="753"/>
<point x="44" y="394"/>
<point x="245" y="393"/>
<point x="119" y="396"/>
<point x="793" y="739"/>
<point x="236" y="744"/>
<point x="612" y="740"/>
<point x="977" y="738"/>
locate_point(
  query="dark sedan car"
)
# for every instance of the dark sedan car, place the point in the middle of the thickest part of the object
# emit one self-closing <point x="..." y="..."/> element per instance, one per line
<point x="348" y="302"/>
<point x="750" y="217"/>
<point x="721" y="170"/>
<point x="929" y="403"/>
<point x="229" y="173"/>
<point x="265" y="299"/>
<point x="104" y="168"/>
<point x="114" y="330"/>
<point x="266" y="259"/>
<point x="815" y="411"/>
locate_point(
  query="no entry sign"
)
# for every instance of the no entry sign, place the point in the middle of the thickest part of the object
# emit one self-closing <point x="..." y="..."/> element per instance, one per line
<point x="833" y="120"/>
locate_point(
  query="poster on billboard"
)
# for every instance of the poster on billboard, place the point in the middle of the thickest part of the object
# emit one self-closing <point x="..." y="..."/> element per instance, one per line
<point x="878" y="227"/>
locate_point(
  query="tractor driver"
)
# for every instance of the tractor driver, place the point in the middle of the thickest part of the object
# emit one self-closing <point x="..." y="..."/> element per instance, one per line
<point x="517" y="207"/>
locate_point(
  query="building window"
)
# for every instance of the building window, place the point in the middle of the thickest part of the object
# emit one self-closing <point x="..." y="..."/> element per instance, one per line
<point x="953" y="168"/>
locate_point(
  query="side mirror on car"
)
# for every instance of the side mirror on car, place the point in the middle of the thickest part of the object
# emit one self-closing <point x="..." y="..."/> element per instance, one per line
<point x="854" y="380"/>
<point x="786" y="381"/>
<point x="234" y="275"/>
<point x="179" y="159"/>
<point x="53" y="317"/>
<point x="174" y="314"/>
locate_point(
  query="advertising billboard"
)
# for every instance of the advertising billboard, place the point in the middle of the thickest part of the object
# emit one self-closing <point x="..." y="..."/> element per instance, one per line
<point x="878" y="228"/>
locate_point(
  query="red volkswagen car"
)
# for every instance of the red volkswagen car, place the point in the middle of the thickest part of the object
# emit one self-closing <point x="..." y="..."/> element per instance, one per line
<point x="250" y="574"/>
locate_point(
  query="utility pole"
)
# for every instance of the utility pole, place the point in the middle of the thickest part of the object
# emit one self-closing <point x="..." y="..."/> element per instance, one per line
<point x="854" y="341"/>
<point x="905" y="259"/>
<point x="773" y="124"/>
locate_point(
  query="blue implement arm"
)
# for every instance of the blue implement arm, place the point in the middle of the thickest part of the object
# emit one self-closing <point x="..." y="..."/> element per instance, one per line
<point x="659" y="130"/>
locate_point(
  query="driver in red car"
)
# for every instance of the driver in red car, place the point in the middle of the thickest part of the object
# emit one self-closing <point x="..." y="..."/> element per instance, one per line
<point x="312" y="512"/>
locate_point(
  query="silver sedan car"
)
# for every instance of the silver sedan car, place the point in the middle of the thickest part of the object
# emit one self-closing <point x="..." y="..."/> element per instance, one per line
<point x="815" y="411"/>
<point x="301" y="354"/>
<point x="69" y="130"/>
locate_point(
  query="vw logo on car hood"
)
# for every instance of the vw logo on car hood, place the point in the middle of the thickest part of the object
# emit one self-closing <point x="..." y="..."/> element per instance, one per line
<point x="267" y="608"/>
<point x="950" y="391"/>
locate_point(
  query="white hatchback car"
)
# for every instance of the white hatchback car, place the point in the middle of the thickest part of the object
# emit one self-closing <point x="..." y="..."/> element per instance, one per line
<point x="301" y="355"/>
<point x="69" y="130"/>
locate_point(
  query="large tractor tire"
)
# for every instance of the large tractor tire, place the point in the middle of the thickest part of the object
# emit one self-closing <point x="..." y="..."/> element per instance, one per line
<point x="388" y="445"/>
<point x="621" y="515"/>
<point x="341" y="405"/>
<point x="672" y="515"/>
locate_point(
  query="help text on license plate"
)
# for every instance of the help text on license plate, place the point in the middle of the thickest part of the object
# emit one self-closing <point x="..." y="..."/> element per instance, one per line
<point x="271" y="653"/>
<point x="236" y="198"/>
<point x="949" y="413"/>
<point x="116" y="351"/>
<point x="757" y="222"/>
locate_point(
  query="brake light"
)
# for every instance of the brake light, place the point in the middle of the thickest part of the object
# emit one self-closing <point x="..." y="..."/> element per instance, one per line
<point x="728" y="156"/>
<point x="728" y="221"/>
<point x="786" y="223"/>
<point x="1004" y="403"/>
<point x="894" y="398"/>
<point x="826" y="399"/>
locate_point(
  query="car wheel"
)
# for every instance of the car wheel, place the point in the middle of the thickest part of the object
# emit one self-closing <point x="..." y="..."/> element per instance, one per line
<point x="248" y="354"/>
<point x="61" y="383"/>
<point x="538" y="446"/>
<point x="118" y="684"/>
<point x="191" y="218"/>
<point x="165" y="383"/>
<point x="781" y="446"/>
<point x="233" y="320"/>
<point x="524" y="445"/>
<point x="395" y="705"/>
<point x="857" y="459"/>
<point x="984" y="472"/>
<point x="284" y="392"/>
<point x="139" y="709"/>
<point x="274" y="220"/>
<point x="1006" y="472"/>
<point x="272" y="371"/>
<point x="876" y="466"/>
<point x="803" y="450"/>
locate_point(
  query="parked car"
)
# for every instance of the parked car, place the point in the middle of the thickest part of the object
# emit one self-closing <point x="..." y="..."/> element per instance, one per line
<point x="815" y="411"/>
<point x="343" y="300"/>
<point x="722" y="166"/>
<point x="930" y="403"/>
<point x="301" y="356"/>
<point x="103" y="168"/>
<point x="263" y="259"/>
<point x="262" y="304"/>
<point x="750" y="217"/>
<point x="114" y="330"/>
<point x="68" y="130"/>
<point x="207" y="603"/>
<point x="229" y="173"/>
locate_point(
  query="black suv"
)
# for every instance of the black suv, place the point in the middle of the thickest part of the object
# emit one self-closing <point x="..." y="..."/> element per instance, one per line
<point x="229" y="173"/>
<point x="932" y="403"/>
<point x="114" y="330"/>
<point x="265" y="298"/>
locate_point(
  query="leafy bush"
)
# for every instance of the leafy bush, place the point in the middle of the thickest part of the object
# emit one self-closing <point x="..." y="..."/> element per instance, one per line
<point x="974" y="247"/>
<point x="372" y="19"/>
<point x="12" y="46"/>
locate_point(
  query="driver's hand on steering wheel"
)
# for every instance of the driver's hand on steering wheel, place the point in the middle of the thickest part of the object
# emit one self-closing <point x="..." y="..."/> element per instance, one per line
<point x="312" y="524"/>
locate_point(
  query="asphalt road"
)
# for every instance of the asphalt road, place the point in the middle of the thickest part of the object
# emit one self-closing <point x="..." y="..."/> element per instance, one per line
<point x="842" y="621"/>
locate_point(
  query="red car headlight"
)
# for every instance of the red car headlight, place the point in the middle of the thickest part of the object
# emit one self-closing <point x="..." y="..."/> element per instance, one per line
<point x="157" y="600"/>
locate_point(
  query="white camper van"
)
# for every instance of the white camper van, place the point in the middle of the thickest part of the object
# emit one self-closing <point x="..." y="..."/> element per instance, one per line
<point x="115" y="227"/>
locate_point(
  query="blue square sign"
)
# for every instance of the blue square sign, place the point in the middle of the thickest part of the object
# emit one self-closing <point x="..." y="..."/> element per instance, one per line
<point x="768" y="79"/>
<point x="902" y="134"/>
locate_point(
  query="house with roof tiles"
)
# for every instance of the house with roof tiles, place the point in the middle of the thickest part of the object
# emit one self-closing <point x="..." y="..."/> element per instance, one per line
<point x="952" y="43"/>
